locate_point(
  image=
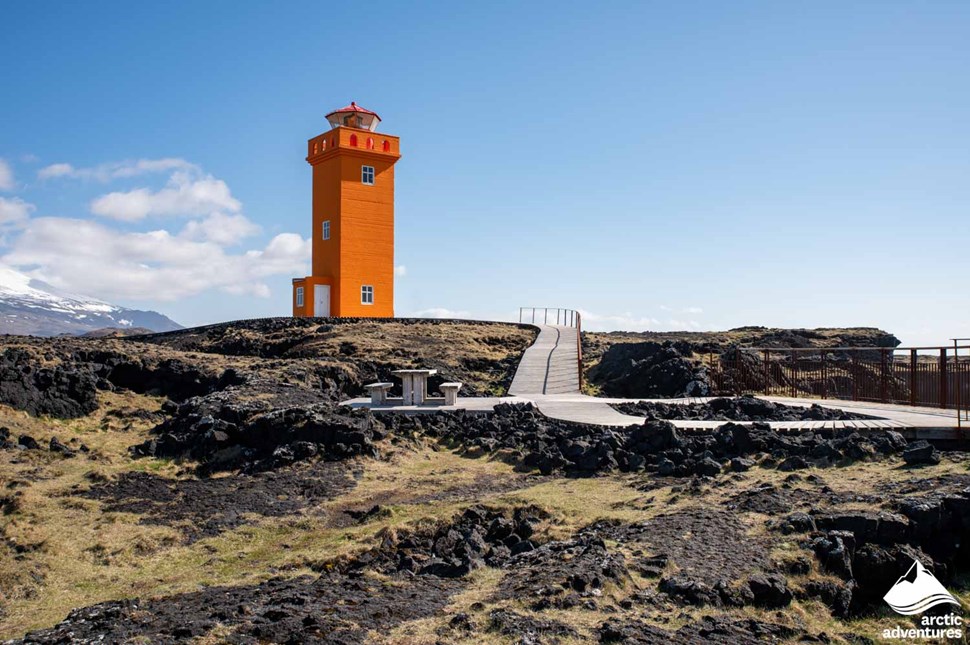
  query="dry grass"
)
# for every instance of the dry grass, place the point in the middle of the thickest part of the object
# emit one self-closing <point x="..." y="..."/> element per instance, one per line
<point x="72" y="548"/>
<point x="482" y="586"/>
<point x="483" y="355"/>
<point x="86" y="555"/>
<point x="78" y="554"/>
<point x="83" y="555"/>
<point x="73" y="553"/>
<point x="482" y="583"/>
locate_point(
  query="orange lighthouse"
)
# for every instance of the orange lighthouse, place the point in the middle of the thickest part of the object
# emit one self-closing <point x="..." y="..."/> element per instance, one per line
<point x="352" y="273"/>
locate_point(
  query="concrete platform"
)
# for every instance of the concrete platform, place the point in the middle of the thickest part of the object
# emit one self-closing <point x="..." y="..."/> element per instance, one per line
<point x="484" y="404"/>
<point x="922" y="423"/>
<point x="548" y="377"/>
<point x="934" y="423"/>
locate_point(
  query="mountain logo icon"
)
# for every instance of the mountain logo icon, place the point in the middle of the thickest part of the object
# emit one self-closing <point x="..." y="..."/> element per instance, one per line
<point x="917" y="591"/>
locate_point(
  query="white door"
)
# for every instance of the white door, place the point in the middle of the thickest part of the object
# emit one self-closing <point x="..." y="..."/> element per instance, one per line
<point x="321" y="300"/>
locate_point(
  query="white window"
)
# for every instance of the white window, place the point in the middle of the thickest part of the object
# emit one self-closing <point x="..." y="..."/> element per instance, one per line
<point x="326" y="229"/>
<point x="367" y="175"/>
<point x="367" y="295"/>
<point x="299" y="296"/>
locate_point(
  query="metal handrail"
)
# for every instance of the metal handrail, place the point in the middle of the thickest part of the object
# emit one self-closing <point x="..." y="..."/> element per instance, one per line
<point x="856" y="348"/>
<point x="579" y="347"/>
<point x="541" y="315"/>
<point x="958" y="375"/>
<point x="939" y="380"/>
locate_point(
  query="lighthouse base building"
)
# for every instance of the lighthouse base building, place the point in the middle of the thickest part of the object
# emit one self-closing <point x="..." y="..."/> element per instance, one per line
<point x="352" y="271"/>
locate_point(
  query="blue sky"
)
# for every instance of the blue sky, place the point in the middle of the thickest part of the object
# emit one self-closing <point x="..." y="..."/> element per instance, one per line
<point x="676" y="165"/>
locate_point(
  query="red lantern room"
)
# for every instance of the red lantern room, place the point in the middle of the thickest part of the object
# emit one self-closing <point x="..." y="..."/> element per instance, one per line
<point x="354" y="116"/>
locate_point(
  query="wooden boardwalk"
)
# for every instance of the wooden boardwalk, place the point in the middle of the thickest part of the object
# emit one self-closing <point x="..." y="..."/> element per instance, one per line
<point x="550" y="365"/>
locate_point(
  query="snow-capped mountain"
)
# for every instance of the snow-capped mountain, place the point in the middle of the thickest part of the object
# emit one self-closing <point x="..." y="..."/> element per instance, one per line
<point x="32" y="307"/>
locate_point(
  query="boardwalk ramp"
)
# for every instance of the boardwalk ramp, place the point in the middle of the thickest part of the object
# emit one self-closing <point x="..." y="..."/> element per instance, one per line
<point x="550" y="365"/>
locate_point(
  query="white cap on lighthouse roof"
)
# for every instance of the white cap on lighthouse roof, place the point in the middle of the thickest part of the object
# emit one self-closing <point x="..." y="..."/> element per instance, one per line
<point x="354" y="116"/>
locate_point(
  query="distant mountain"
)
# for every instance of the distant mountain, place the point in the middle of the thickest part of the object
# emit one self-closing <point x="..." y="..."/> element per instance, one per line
<point x="35" y="308"/>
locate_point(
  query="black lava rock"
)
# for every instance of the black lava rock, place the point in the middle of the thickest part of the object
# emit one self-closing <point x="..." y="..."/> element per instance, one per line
<point x="742" y="408"/>
<point x="65" y="390"/>
<point x="650" y="370"/>
<point x="553" y="446"/>
<point x="57" y="446"/>
<point x="921" y="453"/>
<point x="837" y="596"/>
<point x="835" y="551"/>
<point x="28" y="442"/>
<point x="690" y="591"/>
<point x="770" y="591"/>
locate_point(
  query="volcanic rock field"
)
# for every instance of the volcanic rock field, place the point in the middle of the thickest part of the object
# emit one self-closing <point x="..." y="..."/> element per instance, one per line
<point x="205" y="486"/>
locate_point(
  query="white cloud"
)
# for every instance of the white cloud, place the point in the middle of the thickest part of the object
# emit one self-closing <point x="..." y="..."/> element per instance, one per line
<point x="684" y="310"/>
<point x="683" y="325"/>
<point x="116" y="170"/>
<point x="617" y="322"/>
<point x="400" y="270"/>
<point x="221" y="228"/>
<point x="185" y="194"/>
<point x="188" y="192"/>
<point x="56" y="170"/>
<point x="440" y="312"/>
<point x="87" y="257"/>
<point x="630" y="322"/>
<point x="144" y="166"/>
<point x="93" y="258"/>
<point x="6" y="176"/>
<point x="14" y="212"/>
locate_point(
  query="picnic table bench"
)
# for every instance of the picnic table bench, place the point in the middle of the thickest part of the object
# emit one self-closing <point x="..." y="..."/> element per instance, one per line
<point x="414" y="390"/>
<point x="450" y="390"/>
<point x="414" y="385"/>
<point x="378" y="392"/>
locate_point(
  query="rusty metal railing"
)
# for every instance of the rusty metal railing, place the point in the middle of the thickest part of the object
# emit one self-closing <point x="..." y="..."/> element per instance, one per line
<point x="916" y="376"/>
<point x="579" y="348"/>
<point x="961" y="400"/>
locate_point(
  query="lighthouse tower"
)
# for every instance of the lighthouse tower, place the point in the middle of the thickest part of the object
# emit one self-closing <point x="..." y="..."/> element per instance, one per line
<point x="352" y="272"/>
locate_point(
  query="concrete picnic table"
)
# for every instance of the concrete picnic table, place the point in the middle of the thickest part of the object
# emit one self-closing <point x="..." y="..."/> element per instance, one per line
<point x="414" y="385"/>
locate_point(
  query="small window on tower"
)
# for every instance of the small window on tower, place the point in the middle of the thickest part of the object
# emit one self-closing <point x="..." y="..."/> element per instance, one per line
<point x="299" y="296"/>
<point x="326" y="229"/>
<point x="367" y="295"/>
<point x="367" y="175"/>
